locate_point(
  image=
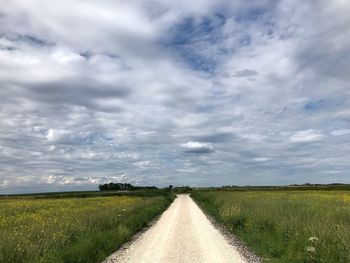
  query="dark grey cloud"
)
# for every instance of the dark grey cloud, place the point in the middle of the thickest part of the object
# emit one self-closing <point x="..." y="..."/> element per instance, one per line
<point x="82" y="92"/>
<point x="25" y="39"/>
<point x="245" y="73"/>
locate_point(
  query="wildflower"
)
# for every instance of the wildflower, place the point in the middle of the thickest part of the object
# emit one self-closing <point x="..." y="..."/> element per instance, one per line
<point x="313" y="239"/>
<point x="311" y="249"/>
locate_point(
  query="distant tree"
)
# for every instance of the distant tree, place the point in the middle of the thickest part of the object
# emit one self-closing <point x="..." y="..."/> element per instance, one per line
<point x="182" y="189"/>
<point x="103" y="187"/>
<point x="122" y="186"/>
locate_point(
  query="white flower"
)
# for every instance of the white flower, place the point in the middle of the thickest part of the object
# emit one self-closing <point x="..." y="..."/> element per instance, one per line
<point x="312" y="239"/>
<point x="311" y="249"/>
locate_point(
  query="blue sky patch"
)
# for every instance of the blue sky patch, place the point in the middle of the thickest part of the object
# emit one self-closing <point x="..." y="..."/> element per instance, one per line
<point x="188" y="37"/>
<point x="316" y="105"/>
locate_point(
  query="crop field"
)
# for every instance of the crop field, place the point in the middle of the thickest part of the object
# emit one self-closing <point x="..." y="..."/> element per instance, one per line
<point x="285" y="226"/>
<point x="72" y="229"/>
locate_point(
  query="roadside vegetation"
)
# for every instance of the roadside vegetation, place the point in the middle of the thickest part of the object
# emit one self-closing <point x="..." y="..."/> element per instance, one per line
<point x="285" y="226"/>
<point x="60" y="228"/>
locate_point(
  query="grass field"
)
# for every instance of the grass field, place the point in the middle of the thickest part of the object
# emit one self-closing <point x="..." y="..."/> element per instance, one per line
<point x="285" y="226"/>
<point x="72" y="229"/>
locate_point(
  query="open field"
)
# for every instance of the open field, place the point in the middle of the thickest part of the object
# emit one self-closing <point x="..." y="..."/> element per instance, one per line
<point x="72" y="229"/>
<point x="285" y="226"/>
<point x="83" y="194"/>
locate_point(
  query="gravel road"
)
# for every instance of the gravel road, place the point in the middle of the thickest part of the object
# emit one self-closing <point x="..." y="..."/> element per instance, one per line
<point x="182" y="234"/>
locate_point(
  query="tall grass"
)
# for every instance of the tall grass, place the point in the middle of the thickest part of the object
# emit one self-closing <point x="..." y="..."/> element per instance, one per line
<point x="72" y="229"/>
<point x="285" y="226"/>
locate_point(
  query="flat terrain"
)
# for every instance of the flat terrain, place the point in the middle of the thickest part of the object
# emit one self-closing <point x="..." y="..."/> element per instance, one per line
<point x="58" y="228"/>
<point x="285" y="226"/>
<point x="182" y="234"/>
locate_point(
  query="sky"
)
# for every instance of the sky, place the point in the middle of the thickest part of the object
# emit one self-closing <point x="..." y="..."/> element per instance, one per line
<point x="199" y="93"/>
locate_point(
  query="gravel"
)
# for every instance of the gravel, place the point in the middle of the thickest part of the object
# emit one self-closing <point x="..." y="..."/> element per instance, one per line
<point x="182" y="234"/>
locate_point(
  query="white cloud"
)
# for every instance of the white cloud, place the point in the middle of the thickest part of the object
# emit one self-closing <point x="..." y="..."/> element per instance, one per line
<point x="306" y="136"/>
<point x="254" y="137"/>
<point x="261" y="159"/>
<point x="62" y="136"/>
<point x="142" y="164"/>
<point x="198" y="147"/>
<point x="56" y="135"/>
<point x="340" y="132"/>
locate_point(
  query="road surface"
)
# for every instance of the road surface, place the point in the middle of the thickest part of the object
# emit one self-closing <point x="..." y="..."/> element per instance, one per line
<point x="182" y="234"/>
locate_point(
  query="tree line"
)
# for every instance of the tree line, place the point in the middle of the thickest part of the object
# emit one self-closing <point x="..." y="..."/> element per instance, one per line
<point x="123" y="186"/>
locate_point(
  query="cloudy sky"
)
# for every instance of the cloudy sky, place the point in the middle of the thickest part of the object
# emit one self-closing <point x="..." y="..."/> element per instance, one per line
<point x="173" y="92"/>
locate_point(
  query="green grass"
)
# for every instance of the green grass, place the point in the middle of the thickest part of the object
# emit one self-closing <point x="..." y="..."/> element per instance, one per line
<point x="84" y="194"/>
<point x="285" y="226"/>
<point x="73" y="229"/>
